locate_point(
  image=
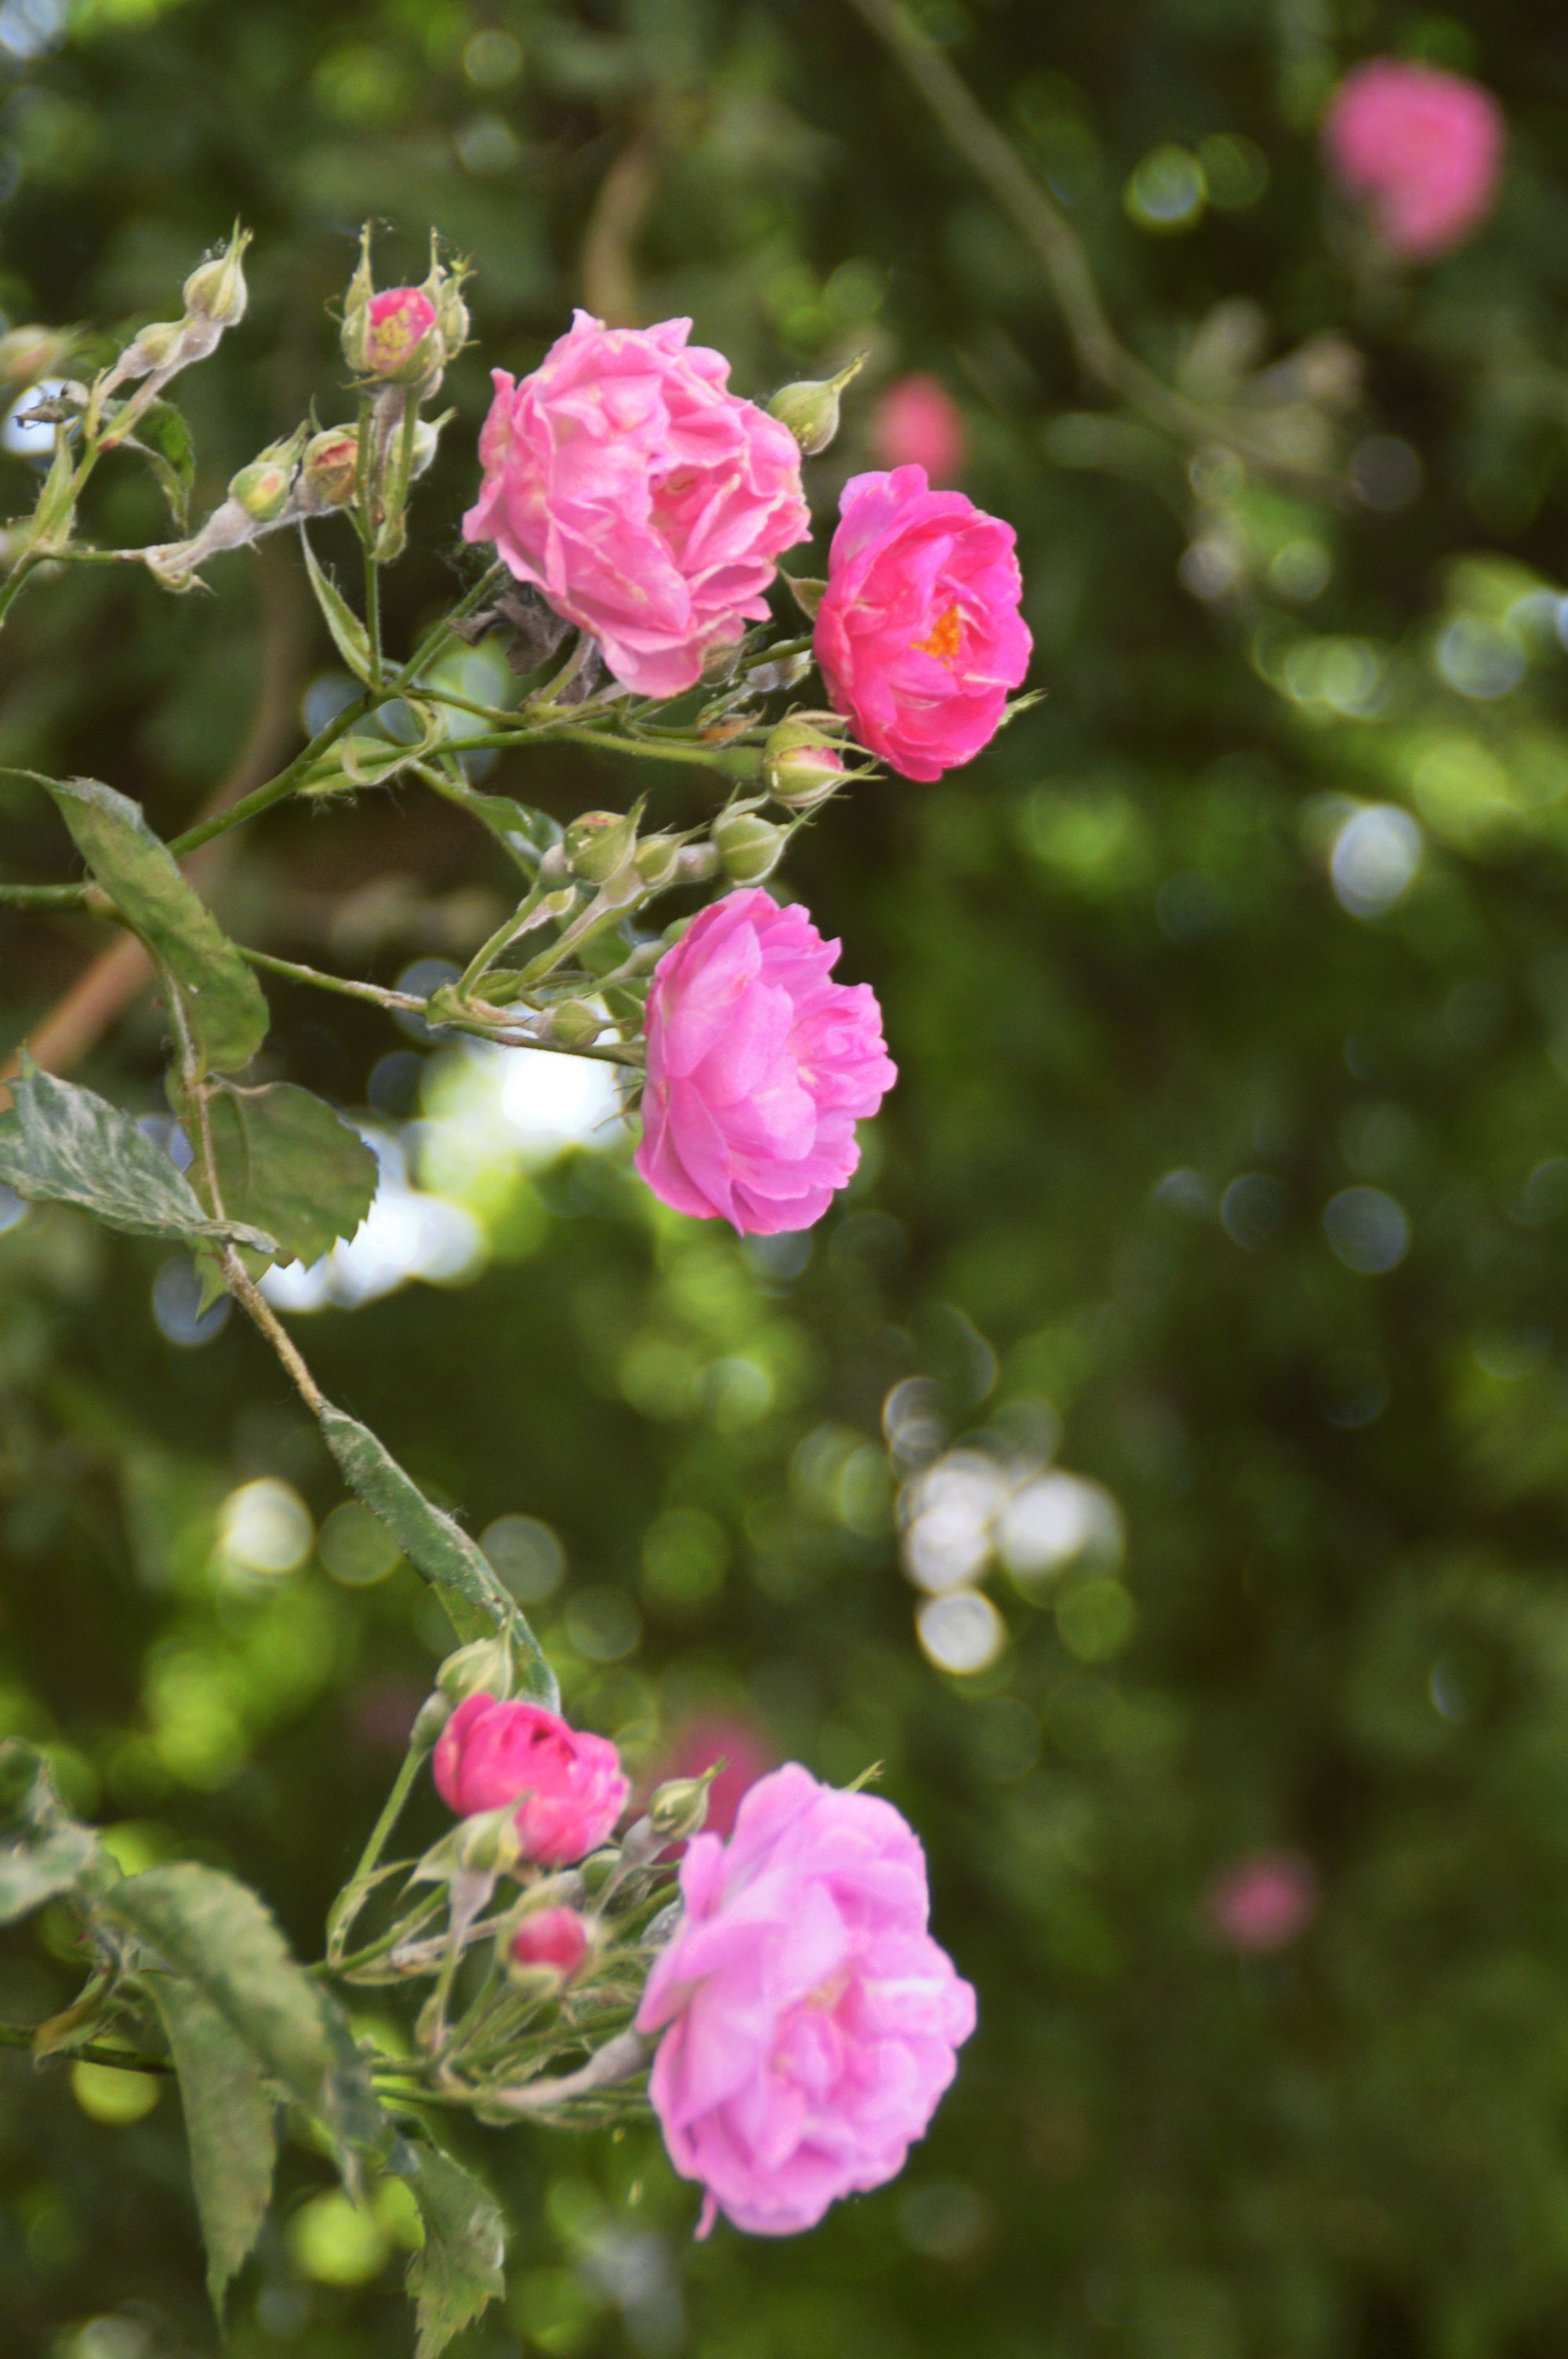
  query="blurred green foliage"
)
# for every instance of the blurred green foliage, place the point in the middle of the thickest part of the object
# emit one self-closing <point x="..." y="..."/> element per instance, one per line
<point x="1230" y="995"/>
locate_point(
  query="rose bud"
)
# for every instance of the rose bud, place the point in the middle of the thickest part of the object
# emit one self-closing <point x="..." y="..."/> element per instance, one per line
<point x="330" y="467"/>
<point x="552" y="1936"/>
<point x="399" y="346"/>
<point x="801" y="765"/>
<point x="599" y="843"/>
<point x="216" y="290"/>
<point x="567" y="1786"/>
<point x="810" y="409"/>
<point x="749" y="848"/>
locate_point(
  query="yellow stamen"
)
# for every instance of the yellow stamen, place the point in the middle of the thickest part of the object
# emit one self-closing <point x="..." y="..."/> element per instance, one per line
<point x="945" y="638"/>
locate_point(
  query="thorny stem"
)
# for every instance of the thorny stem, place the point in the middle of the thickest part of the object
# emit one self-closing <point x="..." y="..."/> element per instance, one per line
<point x="1100" y="351"/>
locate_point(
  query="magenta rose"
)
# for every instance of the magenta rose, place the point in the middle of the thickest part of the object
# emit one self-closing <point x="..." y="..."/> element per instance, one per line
<point x="918" y="635"/>
<point x="646" y="501"/>
<point x="759" y="1069"/>
<point x="809" y="2021"/>
<point x="567" y="1785"/>
<point x="918" y="423"/>
<point x="1422" y="149"/>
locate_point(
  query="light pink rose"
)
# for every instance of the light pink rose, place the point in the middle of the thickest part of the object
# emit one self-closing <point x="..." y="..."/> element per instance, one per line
<point x="1424" y="149"/>
<point x="552" y="1936"/>
<point x="809" y="2020"/>
<point x="918" y="423"/>
<point x="758" y="1069"/>
<point x="567" y="1785"/>
<point x="648" y="503"/>
<point x="1262" y="1904"/>
<point x="400" y="319"/>
<point x="918" y="635"/>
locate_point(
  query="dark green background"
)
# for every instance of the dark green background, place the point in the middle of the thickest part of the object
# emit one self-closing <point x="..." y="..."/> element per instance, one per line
<point x="1108" y="953"/>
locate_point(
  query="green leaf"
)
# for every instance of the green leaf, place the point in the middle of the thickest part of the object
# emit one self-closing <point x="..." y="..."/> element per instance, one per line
<point x="42" y="1851"/>
<point x="228" y="2122"/>
<point x="458" y="2271"/>
<point x="437" y="1548"/>
<point x="290" y="1165"/>
<point x="224" y="1002"/>
<point x="164" y="439"/>
<point x="215" y="1933"/>
<point x="68" y="1146"/>
<point x="349" y="634"/>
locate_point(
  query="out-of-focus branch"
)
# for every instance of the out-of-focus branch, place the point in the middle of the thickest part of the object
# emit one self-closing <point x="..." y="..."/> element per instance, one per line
<point x="78" y="1021"/>
<point x="608" y="267"/>
<point x="1101" y="352"/>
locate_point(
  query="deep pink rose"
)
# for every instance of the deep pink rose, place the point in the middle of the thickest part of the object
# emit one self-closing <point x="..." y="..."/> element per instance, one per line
<point x="1262" y="1904"/>
<point x="809" y="2020"/>
<point x="918" y="423"/>
<point x="1422" y="148"/>
<point x="758" y="1069"/>
<point x="918" y="635"/>
<point x="647" y="502"/>
<point x="552" y="1936"/>
<point x="400" y="319"/>
<point x="567" y="1785"/>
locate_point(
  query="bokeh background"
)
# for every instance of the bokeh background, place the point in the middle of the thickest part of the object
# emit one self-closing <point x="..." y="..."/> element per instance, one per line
<point x="1216" y="1224"/>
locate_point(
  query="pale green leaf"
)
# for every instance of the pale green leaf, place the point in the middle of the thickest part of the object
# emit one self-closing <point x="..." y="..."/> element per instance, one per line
<point x="224" y="1004"/>
<point x="349" y="634"/>
<point x="289" y="1165"/>
<point x="438" y="1549"/>
<point x="229" y="2124"/>
<point x="42" y="1851"/>
<point x="217" y="1934"/>
<point x="460" y="2269"/>
<point x="68" y="1146"/>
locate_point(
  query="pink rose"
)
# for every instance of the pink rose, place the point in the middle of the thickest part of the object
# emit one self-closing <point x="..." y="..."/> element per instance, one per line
<point x="918" y="423"/>
<point x="809" y="2020"/>
<point x="552" y="1936"/>
<point x="647" y="502"/>
<point x="567" y="1785"/>
<point x="1422" y="148"/>
<point x="758" y="1069"/>
<point x="711" y="1736"/>
<point x="1262" y="1904"/>
<point x="399" y="321"/>
<point x="918" y="635"/>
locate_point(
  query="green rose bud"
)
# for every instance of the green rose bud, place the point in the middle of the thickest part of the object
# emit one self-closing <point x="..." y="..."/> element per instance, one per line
<point x="749" y="848"/>
<point x="598" y="843"/>
<point x="802" y="766"/>
<point x="216" y="290"/>
<point x="810" y="409"/>
<point x="573" y="1025"/>
<point x="484" y="1668"/>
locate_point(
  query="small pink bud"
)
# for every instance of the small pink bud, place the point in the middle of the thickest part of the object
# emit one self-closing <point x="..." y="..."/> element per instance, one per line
<point x="552" y="1936"/>
<point x="400" y="320"/>
<point x="1262" y="1904"/>
<point x="918" y="423"/>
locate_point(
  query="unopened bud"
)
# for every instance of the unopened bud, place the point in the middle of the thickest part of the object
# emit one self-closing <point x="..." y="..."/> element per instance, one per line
<point x="216" y="290"/>
<point x="801" y="765"/>
<point x="484" y="1668"/>
<point x="810" y="409"/>
<point x="598" y="843"/>
<point x="329" y="468"/>
<point x="749" y="848"/>
<point x="400" y="340"/>
<point x="262" y="489"/>
<point x="678" y="1809"/>
<point x="657" y="858"/>
<point x="698" y="863"/>
<point x="28" y="354"/>
<point x="156" y="346"/>
<point x="490" y="1843"/>
<point x="555" y="1940"/>
<point x="573" y="1025"/>
<point x="429" y="1722"/>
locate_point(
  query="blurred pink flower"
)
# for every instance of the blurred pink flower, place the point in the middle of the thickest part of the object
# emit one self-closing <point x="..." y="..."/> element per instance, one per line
<point x="918" y="423"/>
<point x="400" y="319"/>
<point x="918" y="635"/>
<point x="552" y="1936"/>
<point x="758" y="1069"/>
<point x="710" y="1737"/>
<point x="648" y="503"/>
<point x="1262" y="1904"/>
<point x="809" y="2021"/>
<point x="567" y="1785"/>
<point x="1424" y="149"/>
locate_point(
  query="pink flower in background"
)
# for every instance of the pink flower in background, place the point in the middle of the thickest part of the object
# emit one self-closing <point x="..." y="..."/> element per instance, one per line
<point x="1262" y="1904"/>
<point x="552" y="1936"/>
<point x="400" y="319"/>
<point x="1424" y="149"/>
<point x="648" y="503"/>
<point x="711" y="1736"/>
<point x="568" y="1786"/>
<point x="759" y="1069"/>
<point x="918" y="635"/>
<point x="809" y="2021"/>
<point x="918" y="423"/>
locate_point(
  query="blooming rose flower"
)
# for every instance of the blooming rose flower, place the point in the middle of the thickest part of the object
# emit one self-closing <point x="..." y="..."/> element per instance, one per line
<point x="1263" y="1904"/>
<point x="1422" y="148"/>
<point x="400" y="319"/>
<point x="918" y="635"/>
<point x="758" y="1069"/>
<point x="567" y="1785"/>
<point x="809" y="2020"/>
<point x="647" y="502"/>
<point x="918" y="423"/>
<point x="552" y="1936"/>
